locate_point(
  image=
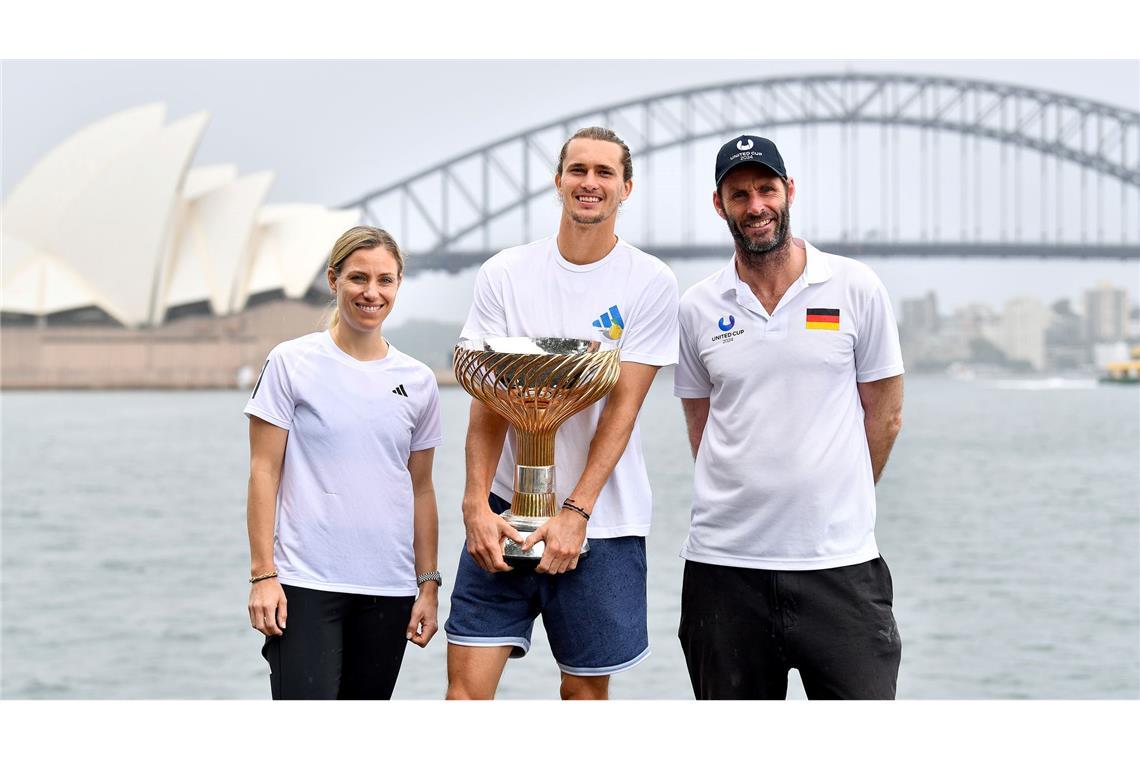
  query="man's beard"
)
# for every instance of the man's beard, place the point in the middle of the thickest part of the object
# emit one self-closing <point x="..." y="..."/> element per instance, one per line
<point x="596" y="218"/>
<point x="756" y="252"/>
<point x="580" y="219"/>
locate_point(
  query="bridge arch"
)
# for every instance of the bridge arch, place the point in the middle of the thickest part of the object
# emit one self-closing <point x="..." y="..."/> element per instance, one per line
<point x="1094" y="137"/>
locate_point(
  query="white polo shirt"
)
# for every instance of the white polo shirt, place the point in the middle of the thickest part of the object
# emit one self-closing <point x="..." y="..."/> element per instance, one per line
<point x="783" y="476"/>
<point x="627" y="300"/>
<point x="345" y="507"/>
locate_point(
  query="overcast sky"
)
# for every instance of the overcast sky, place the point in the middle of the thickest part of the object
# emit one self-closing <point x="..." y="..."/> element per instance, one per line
<point x="331" y="131"/>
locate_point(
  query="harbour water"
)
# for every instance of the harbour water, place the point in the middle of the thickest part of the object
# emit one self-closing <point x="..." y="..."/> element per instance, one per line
<point x="1009" y="515"/>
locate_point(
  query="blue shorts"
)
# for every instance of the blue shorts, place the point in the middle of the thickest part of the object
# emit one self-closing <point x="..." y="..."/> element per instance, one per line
<point x="594" y="615"/>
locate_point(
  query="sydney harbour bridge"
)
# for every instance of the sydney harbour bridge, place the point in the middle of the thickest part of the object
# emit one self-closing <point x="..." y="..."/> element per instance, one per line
<point x="884" y="164"/>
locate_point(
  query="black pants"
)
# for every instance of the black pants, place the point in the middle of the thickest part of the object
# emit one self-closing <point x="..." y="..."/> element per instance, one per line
<point x="338" y="645"/>
<point x="742" y="630"/>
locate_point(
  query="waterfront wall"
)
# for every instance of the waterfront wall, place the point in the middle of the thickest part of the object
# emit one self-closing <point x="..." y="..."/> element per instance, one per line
<point x="190" y="352"/>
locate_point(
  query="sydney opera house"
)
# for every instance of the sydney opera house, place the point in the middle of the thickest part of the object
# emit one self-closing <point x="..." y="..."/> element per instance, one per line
<point x="123" y="266"/>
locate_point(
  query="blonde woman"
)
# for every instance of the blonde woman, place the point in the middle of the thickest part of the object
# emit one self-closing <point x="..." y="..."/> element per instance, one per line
<point x="341" y="511"/>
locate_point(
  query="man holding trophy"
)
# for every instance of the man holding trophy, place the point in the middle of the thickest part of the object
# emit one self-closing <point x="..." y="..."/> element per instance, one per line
<point x="583" y="291"/>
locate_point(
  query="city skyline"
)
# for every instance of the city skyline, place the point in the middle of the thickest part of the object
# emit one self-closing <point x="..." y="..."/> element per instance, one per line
<point x="1023" y="333"/>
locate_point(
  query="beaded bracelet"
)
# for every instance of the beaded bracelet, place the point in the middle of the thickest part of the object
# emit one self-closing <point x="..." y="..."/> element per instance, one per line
<point x="257" y="578"/>
<point x="574" y="508"/>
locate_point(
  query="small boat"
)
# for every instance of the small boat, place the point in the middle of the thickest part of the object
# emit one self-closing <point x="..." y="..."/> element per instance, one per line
<point x="1123" y="372"/>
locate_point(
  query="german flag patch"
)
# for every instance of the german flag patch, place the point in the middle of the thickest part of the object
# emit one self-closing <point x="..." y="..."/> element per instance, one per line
<point x="822" y="319"/>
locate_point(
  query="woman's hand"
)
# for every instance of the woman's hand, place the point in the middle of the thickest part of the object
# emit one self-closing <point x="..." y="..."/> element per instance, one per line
<point x="268" y="607"/>
<point x="423" y="625"/>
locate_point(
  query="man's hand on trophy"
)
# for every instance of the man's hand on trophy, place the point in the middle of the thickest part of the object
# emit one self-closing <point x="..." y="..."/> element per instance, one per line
<point x="563" y="534"/>
<point x="485" y="533"/>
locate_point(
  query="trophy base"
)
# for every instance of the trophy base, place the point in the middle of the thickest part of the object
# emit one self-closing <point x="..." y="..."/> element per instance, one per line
<point x="513" y="553"/>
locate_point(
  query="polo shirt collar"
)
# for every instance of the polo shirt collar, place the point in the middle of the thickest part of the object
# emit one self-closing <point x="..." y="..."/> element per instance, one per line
<point x="816" y="270"/>
<point x="728" y="281"/>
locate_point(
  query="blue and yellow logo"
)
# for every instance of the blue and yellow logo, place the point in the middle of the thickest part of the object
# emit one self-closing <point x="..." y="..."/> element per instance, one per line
<point x="611" y="323"/>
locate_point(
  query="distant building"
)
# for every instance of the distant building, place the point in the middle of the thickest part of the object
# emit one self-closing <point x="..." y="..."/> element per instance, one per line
<point x="918" y="332"/>
<point x="1106" y="314"/>
<point x="1065" y="344"/>
<point x="921" y="314"/>
<point x="978" y="329"/>
<point x="1024" y="322"/>
<point x="976" y="320"/>
<point x="1110" y="353"/>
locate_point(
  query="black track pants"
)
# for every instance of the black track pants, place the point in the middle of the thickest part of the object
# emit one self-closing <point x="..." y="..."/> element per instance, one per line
<point x="338" y="645"/>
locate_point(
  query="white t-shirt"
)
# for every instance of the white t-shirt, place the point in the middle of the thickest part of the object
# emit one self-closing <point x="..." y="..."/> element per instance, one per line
<point x="345" y="505"/>
<point x="783" y="475"/>
<point x="627" y="300"/>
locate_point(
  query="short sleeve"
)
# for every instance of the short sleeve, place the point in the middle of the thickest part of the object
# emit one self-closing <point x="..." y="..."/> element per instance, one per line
<point x="429" y="432"/>
<point x="691" y="378"/>
<point x="651" y="336"/>
<point x="272" y="397"/>
<point x="487" y="316"/>
<point x="878" y="354"/>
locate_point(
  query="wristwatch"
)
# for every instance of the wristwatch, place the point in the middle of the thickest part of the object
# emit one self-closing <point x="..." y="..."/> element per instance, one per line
<point x="432" y="576"/>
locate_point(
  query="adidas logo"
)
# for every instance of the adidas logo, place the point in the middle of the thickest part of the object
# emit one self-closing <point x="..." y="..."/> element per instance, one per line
<point x="611" y="323"/>
<point x="399" y="390"/>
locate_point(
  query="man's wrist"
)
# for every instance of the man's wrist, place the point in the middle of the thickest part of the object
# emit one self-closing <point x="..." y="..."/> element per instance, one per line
<point x="569" y="506"/>
<point x="585" y="503"/>
<point x="477" y="513"/>
<point x="475" y="500"/>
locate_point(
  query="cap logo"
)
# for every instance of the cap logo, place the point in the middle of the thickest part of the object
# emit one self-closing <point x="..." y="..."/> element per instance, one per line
<point x="744" y="144"/>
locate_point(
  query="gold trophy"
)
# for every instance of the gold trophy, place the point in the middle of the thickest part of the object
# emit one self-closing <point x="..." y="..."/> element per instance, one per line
<point x="536" y="384"/>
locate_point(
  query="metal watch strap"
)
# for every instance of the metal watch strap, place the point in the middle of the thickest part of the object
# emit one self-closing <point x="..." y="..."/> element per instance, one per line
<point x="432" y="576"/>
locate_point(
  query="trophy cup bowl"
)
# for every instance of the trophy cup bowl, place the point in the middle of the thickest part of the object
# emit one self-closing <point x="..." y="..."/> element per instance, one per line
<point x="536" y="384"/>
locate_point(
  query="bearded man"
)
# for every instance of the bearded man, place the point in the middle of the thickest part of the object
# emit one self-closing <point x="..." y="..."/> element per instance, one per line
<point x="790" y="378"/>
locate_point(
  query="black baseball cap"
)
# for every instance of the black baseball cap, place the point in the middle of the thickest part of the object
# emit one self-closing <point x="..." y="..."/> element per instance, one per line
<point x="748" y="149"/>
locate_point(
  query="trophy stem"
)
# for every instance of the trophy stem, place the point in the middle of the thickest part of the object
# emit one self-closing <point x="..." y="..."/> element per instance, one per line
<point x="535" y="449"/>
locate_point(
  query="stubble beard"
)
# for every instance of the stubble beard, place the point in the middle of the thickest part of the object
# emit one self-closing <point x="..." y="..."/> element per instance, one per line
<point x="583" y="219"/>
<point x="756" y="254"/>
<point x="580" y="219"/>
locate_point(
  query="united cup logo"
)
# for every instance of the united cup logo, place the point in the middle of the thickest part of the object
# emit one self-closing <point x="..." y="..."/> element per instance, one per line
<point x="744" y="144"/>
